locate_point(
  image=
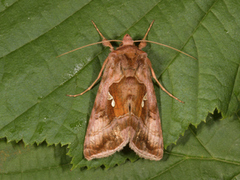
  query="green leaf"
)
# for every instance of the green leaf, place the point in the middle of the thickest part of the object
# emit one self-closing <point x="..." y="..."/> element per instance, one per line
<point x="34" y="82"/>
<point x="209" y="152"/>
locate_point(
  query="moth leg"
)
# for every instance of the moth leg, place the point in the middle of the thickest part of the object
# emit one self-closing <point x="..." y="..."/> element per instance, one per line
<point x="154" y="77"/>
<point x="90" y="87"/>
<point x="143" y="43"/>
<point x="105" y="42"/>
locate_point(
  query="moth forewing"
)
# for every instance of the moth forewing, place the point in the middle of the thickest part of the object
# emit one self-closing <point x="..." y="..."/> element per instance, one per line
<point x="125" y="109"/>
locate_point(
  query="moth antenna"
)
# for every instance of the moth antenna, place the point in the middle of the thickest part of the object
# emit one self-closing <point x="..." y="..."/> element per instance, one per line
<point x="88" y="46"/>
<point x="167" y="47"/>
<point x="104" y="41"/>
<point x="143" y="42"/>
<point x="79" y="48"/>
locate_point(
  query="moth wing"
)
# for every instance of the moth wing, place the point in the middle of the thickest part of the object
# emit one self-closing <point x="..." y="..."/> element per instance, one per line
<point x="103" y="135"/>
<point x="147" y="141"/>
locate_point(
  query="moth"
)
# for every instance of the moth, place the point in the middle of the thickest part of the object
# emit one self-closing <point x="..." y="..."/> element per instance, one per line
<point x="125" y="109"/>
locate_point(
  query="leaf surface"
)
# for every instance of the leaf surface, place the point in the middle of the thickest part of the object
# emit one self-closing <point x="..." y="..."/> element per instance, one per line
<point x="34" y="82"/>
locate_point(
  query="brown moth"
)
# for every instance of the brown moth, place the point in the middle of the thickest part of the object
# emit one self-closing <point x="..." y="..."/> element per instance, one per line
<point x="125" y="109"/>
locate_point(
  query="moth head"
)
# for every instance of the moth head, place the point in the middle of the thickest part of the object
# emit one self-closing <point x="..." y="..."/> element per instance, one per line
<point x="127" y="40"/>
